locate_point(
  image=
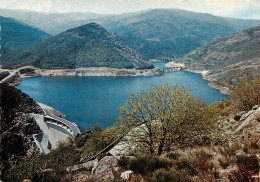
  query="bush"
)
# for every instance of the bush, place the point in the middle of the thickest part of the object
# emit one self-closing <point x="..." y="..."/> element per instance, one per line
<point x="186" y="163"/>
<point x="173" y="155"/>
<point x="172" y="175"/>
<point x="146" y="164"/>
<point x="249" y="163"/>
<point x="229" y="150"/>
<point x="240" y="175"/>
<point x="123" y="162"/>
<point x="223" y="162"/>
<point x="246" y="94"/>
<point x="94" y="143"/>
<point x="57" y="160"/>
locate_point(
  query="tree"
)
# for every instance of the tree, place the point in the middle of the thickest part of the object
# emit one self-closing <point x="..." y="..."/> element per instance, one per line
<point x="162" y="116"/>
<point x="246" y="94"/>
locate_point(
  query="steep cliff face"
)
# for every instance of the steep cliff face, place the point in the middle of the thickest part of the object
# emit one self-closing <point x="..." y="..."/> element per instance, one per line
<point x="16" y="126"/>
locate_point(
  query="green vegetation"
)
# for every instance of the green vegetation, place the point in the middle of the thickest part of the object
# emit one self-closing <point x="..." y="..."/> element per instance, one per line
<point x="162" y="175"/>
<point x="170" y="33"/>
<point x="35" y="168"/>
<point x="94" y="143"/>
<point x="229" y="59"/>
<point x="167" y="116"/>
<point x="179" y="139"/>
<point x="17" y="35"/>
<point x="86" y="46"/>
<point x="246" y="94"/>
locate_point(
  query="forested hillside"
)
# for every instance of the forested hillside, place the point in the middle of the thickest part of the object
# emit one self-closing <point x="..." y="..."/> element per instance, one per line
<point x="85" y="46"/>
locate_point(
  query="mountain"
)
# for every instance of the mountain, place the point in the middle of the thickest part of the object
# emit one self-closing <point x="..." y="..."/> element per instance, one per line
<point x="228" y="59"/>
<point x="167" y="32"/>
<point x="16" y="35"/>
<point x="154" y="34"/>
<point x="85" y="46"/>
<point x="16" y="126"/>
<point x="47" y="21"/>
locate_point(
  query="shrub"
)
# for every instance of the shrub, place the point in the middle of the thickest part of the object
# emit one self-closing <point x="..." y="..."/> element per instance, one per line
<point x="94" y="143"/>
<point x="249" y="163"/>
<point x="186" y="163"/>
<point x="229" y="150"/>
<point x="240" y="175"/>
<point x="65" y="155"/>
<point x="223" y="162"/>
<point x="173" y="155"/>
<point x="246" y="94"/>
<point x="203" y="153"/>
<point x="246" y="166"/>
<point x="202" y="160"/>
<point x="146" y="164"/>
<point x="172" y="175"/>
<point x="123" y="162"/>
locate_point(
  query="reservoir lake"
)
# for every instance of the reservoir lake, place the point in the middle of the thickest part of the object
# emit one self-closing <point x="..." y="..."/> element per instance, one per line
<point x="91" y="100"/>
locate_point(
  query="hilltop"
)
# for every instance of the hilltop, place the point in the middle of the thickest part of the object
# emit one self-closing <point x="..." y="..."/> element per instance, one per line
<point x="228" y="59"/>
<point x="47" y="21"/>
<point x="154" y="34"/>
<point x="89" y="45"/>
<point x="160" y="33"/>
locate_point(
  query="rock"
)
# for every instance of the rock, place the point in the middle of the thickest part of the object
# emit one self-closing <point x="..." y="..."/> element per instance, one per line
<point x="105" y="164"/>
<point x="258" y="119"/>
<point x="17" y="126"/>
<point x="240" y="152"/>
<point x="255" y="107"/>
<point x="245" y="134"/>
<point x="27" y="180"/>
<point x="239" y="115"/>
<point x="86" y="165"/>
<point x="244" y="116"/>
<point x="126" y="175"/>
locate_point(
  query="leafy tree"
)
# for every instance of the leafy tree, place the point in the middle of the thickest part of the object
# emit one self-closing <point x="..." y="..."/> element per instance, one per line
<point x="165" y="115"/>
<point x="94" y="143"/>
<point x="246" y="94"/>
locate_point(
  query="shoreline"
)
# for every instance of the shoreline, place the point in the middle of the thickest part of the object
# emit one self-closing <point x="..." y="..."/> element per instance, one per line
<point x="204" y="74"/>
<point x="32" y="72"/>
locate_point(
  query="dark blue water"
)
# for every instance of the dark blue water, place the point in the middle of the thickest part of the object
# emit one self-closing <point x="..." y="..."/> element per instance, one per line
<point x="90" y="100"/>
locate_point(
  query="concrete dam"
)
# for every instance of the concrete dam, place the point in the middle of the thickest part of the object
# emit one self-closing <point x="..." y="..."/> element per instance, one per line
<point x="55" y="130"/>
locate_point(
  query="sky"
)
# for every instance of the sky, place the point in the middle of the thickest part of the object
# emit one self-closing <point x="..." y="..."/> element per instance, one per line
<point x="247" y="9"/>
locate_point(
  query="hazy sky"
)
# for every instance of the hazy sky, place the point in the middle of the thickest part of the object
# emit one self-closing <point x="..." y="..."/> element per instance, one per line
<point x="229" y="8"/>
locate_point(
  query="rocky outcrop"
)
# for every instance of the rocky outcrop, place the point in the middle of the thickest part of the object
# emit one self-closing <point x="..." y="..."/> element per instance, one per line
<point x="248" y="117"/>
<point x="16" y="126"/>
<point x="126" y="175"/>
<point x="100" y="170"/>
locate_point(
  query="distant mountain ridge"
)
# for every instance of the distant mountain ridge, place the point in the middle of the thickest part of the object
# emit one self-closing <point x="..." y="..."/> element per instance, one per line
<point x="85" y="46"/>
<point x="168" y="33"/>
<point x="228" y="59"/>
<point x="17" y="35"/>
<point x="154" y="34"/>
<point x="47" y="21"/>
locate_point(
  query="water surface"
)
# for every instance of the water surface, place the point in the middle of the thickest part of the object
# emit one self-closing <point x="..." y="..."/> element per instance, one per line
<point x="90" y="100"/>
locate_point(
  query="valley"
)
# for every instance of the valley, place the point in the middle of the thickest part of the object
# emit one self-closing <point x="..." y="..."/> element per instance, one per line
<point x="152" y="95"/>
